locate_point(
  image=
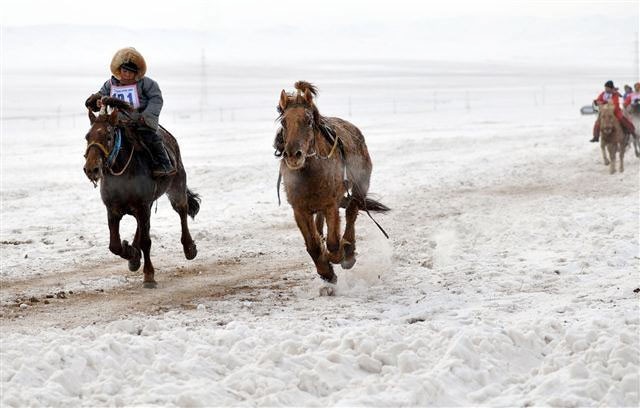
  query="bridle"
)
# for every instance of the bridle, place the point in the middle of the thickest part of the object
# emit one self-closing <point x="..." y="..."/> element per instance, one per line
<point x="316" y="128"/>
<point x="108" y="160"/>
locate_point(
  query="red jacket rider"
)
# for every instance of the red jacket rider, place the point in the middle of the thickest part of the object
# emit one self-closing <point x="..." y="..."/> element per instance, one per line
<point x="610" y="94"/>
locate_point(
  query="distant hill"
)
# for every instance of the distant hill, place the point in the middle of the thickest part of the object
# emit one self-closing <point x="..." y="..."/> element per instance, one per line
<point x="604" y="43"/>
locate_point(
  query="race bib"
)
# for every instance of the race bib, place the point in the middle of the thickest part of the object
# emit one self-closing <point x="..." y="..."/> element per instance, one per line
<point x="127" y="93"/>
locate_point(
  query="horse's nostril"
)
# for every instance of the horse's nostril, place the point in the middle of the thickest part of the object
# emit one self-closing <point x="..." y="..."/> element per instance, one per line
<point x="298" y="154"/>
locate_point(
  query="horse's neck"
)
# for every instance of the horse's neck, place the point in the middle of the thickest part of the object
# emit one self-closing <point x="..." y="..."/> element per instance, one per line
<point x="129" y="161"/>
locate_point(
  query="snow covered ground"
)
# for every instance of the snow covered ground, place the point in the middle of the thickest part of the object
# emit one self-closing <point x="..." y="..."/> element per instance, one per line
<point x="510" y="279"/>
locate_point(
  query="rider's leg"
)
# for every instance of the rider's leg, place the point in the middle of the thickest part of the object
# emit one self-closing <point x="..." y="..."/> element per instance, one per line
<point x="163" y="166"/>
<point x="627" y="126"/>
<point x="596" y="132"/>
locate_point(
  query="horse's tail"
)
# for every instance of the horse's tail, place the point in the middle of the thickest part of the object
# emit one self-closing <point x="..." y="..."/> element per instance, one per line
<point x="374" y="206"/>
<point x="193" y="203"/>
<point x="368" y="204"/>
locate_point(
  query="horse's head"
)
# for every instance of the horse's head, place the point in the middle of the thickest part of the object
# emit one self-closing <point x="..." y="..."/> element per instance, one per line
<point x="100" y="142"/>
<point x="607" y="118"/>
<point x="299" y="119"/>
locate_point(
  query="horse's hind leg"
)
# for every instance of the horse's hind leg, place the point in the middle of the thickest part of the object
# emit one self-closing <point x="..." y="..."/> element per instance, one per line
<point x="349" y="237"/>
<point x="333" y="235"/>
<point x="314" y="245"/>
<point x="180" y="203"/>
<point x="320" y="223"/>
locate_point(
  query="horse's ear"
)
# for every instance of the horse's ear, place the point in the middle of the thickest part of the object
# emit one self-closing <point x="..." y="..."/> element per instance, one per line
<point x="283" y="100"/>
<point x="92" y="117"/>
<point x="308" y="96"/>
<point x="113" y="117"/>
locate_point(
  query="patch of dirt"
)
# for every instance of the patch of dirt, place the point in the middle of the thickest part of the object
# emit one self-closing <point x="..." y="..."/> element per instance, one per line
<point x="40" y="302"/>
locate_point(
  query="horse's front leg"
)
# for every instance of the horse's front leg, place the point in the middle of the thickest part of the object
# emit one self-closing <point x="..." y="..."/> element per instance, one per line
<point x="622" y="148"/>
<point x="313" y="243"/>
<point x="334" y="250"/>
<point x="143" y="216"/>
<point x="115" y="246"/>
<point x="603" y="148"/>
<point x="612" y="157"/>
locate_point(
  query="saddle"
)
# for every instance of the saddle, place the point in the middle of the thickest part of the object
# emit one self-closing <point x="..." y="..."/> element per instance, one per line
<point x="138" y="144"/>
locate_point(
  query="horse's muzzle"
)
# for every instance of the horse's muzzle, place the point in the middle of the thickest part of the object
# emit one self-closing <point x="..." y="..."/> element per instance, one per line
<point x="294" y="161"/>
<point x="93" y="172"/>
<point x="607" y="130"/>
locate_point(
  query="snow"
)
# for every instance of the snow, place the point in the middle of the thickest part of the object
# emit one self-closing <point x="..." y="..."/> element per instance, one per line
<point x="509" y="280"/>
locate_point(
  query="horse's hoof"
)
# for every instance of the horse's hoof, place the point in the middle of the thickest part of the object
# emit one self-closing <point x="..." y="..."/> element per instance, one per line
<point x="191" y="251"/>
<point x="348" y="263"/>
<point x="134" y="265"/>
<point x="149" y="285"/>
<point x="328" y="290"/>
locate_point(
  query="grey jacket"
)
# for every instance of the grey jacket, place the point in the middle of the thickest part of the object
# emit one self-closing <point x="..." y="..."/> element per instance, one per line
<point x="150" y="100"/>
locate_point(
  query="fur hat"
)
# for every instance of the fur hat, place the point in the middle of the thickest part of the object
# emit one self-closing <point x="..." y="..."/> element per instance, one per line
<point x="609" y="84"/>
<point x="129" y="57"/>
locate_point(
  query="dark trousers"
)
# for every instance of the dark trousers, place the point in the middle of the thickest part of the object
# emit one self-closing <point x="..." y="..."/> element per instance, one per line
<point x="155" y="144"/>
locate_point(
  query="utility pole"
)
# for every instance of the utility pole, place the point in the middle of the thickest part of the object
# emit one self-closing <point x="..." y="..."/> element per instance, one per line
<point x="637" y="52"/>
<point x="203" y="85"/>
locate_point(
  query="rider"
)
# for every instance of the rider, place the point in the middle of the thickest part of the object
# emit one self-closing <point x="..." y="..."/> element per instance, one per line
<point x="610" y="94"/>
<point x="627" y="91"/>
<point x="130" y="84"/>
<point x="634" y="97"/>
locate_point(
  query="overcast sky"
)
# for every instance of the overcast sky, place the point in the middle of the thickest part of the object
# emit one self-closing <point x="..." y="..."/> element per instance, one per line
<point x="201" y="14"/>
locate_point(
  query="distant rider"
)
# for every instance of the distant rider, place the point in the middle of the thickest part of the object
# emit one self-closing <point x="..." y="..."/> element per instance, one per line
<point x="633" y="98"/>
<point x="611" y="94"/>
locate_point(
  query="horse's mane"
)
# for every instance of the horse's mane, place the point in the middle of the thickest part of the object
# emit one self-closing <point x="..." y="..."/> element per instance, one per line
<point x="298" y="98"/>
<point x="116" y="103"/>
<point x="607" y="109"/>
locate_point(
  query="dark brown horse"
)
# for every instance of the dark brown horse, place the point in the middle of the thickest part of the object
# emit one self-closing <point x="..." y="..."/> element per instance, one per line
<point x="127" y="187"/>
<point x="325" y="166"/>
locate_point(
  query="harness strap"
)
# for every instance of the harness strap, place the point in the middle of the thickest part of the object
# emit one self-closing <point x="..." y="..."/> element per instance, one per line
<point x="99" y="146"/>
<point x="116" y="147"/>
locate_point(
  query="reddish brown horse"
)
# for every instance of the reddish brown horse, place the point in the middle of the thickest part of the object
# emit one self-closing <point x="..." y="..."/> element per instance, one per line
<point x="127" y="187"/>
<point x="325" y="165"/>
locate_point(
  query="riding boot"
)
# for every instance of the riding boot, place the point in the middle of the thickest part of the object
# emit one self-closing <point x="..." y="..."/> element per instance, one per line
<point x="163" y="166"/>
<point x="596" y="133"/>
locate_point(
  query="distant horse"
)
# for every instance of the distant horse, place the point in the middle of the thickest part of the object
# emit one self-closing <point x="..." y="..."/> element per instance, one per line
<point x="632" y="111"/>
<point x="612" y="137"/>
<point x="325" y="165"/>
<point x="127" y="187"/>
